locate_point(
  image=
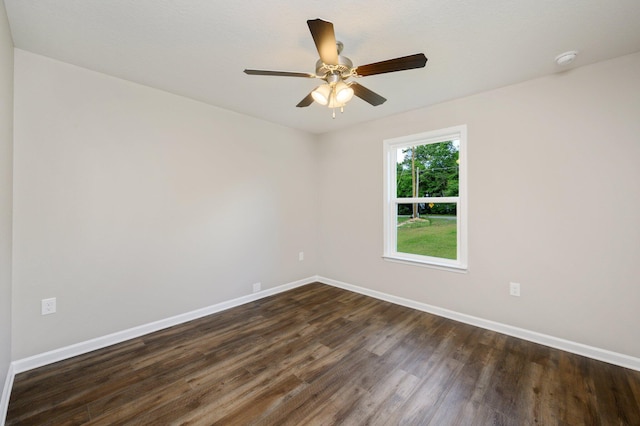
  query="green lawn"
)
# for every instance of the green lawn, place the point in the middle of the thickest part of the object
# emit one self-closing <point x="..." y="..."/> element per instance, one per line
<point x="434" y="237"/>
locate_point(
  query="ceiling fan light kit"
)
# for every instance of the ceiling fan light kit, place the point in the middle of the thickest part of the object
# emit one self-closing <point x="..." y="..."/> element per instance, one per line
<point x="333" y="95"/>
<point x="336" y="69"/>
<point x="322" y="94"/>
<point x="343" y="92"/>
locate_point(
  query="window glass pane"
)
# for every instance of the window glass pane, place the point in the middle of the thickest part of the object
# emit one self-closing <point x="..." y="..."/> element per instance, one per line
<point x="428" y="229"/>
<point x="429" y="170"/>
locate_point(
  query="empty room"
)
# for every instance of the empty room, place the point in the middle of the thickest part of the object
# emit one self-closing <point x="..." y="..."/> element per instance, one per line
<point x="300" y="213"/>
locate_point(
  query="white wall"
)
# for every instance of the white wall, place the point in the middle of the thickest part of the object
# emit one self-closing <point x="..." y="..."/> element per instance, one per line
<point x="554" y="184"/>
<point x="6" y="165"/>
<point x="134" y="205"/>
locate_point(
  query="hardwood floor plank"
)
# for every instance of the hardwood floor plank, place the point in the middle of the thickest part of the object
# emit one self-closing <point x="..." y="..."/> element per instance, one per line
<point x="319" y="355"/>
<point x="263" y="403"/>
<point x="462" y="403"/>
<point x="573" y="387"/>
<point x="610" y="388"/>
<point x="634" y="385"/>
<point x="127" y="406"/>
<point x="74" y="373"/>
<point x="538" y="401"/>
<point x="381" y="400"/>
<point x="396" y="330"/>
<point x="327" y="397"/>
<point x="424" y="402"/>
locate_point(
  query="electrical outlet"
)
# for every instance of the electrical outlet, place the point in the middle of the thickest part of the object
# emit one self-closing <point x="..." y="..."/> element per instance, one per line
<point x="256" y="287"/>
<point x="514" y="289"/>
<point x="301" y="256"/>
<point x="48" y="306"/>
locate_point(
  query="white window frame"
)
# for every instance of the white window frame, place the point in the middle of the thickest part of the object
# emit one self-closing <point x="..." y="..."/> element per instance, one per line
<point x="391" y="200"/>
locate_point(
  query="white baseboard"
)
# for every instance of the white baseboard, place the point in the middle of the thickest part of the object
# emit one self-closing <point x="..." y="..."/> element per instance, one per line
<point x="532" y="336"/>
<point x="26" y="364"/>
<point x="39" y="360"/>
<point x="66" y="352"/>
<point x="60" y="354"/>
<point x="6" y="393"/>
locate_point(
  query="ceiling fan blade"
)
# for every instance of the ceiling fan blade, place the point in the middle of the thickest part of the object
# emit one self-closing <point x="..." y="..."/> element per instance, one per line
<point x="367" y="95"/>
<point x="391" y="65"/>
<point x="308" y="100"/>
<point x="325" y="40"/>
<point x="280" y="73"/>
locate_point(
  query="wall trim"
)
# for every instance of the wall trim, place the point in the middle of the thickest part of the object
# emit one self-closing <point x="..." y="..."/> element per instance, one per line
<point x="39" y="360"/>
<point x="76" y="349"/>
<point x="26" y="364"/>
<point x="610" y="357"/>
<point x="6" y="393"/>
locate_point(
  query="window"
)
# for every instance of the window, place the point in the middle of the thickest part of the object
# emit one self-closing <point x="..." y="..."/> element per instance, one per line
<point x="425" y="205"/>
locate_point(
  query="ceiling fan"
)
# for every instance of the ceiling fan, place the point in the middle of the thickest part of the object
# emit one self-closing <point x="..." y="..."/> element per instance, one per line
<point x="336" y="69"/>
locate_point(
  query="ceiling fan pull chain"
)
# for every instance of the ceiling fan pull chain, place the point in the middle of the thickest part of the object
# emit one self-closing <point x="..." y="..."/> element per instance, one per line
<point x="332" y="95"/>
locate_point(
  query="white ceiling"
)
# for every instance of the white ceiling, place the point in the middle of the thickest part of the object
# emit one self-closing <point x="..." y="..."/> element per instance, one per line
<point x="199" y="48"/>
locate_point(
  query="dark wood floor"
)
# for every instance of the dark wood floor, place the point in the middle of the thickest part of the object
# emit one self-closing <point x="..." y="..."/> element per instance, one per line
<point x="321" y="355"/>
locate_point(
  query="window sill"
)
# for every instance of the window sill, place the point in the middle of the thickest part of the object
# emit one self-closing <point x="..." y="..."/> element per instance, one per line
<point x="432" y="265"/>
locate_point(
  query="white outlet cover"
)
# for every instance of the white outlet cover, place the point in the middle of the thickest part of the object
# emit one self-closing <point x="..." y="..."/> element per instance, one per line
<point x="301" y="256"/>
<point x="514" y="289"/>
<point x="48" y="306"/>
<point x="257" y="287"/>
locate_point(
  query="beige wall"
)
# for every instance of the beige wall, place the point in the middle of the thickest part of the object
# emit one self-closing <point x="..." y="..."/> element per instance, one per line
<point x="554" y="196"/>
<point x="6" y="165"/>
<point x="134" y="205"/>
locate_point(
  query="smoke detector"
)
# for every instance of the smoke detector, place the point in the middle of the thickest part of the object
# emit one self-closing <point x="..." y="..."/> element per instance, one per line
<point x="566" y="58"/>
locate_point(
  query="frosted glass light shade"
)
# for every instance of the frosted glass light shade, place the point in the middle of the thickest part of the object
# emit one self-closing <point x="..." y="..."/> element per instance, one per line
<point x="344" y="93"/>
<point x="321" y="94"/>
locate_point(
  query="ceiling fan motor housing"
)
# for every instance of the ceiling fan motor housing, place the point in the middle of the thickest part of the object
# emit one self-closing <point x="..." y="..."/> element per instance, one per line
<point x="342" y="68"/>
